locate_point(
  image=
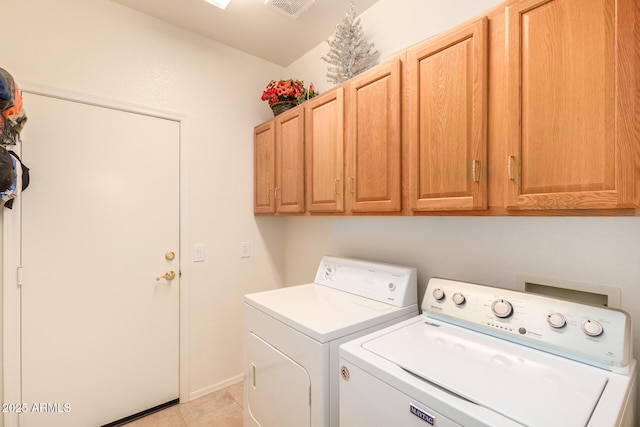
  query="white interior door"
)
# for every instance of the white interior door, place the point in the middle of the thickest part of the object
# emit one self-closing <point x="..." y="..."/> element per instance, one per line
<point x="99" y="332"/>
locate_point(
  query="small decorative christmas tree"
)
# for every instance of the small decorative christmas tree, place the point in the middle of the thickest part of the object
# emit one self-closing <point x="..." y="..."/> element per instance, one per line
<point x="350" y="53"/>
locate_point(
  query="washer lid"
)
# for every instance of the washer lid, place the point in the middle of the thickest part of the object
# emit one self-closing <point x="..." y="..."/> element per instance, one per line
<point x="323" y="313"/>
<point x="531" y="387"/>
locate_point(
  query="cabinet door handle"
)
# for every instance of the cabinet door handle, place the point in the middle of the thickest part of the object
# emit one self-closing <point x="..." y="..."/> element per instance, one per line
<point x="335" y="185"/>
<point x="510" y="167"/>
<point x="476" y="171"/>
<point x="351" y="187"/>
<point x="275" y="193"/>
<point x="268" y="193"/>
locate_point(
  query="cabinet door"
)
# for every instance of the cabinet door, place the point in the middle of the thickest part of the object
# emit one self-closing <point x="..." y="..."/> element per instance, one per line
<point x="571" y="104"/>
<point x="324" y="146"/>
<point x="289" y="190"/>
<point x="447" y="87"/>
<point x="264" y="157"/>
<point x="374" y="140"/>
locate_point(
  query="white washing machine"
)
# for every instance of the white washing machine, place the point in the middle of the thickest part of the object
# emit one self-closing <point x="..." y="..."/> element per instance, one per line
<point x="484" y="356"/>
<point x="293" y="334"/>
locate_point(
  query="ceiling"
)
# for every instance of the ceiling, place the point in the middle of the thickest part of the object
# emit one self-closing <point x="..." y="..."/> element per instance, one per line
<point x="253" y="27"/>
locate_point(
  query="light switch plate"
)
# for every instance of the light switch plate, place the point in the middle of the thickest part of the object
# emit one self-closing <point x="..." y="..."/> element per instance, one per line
<point x="245" y="250"/>
<point x="198" y="253"/>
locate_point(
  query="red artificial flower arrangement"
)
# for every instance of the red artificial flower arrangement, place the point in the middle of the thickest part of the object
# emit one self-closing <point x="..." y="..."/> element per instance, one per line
<point x="283" y="90"/>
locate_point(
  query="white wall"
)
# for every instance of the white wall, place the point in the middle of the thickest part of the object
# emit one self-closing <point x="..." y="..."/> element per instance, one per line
<point x="488" y="250"/>
<point x="100" y="48"/>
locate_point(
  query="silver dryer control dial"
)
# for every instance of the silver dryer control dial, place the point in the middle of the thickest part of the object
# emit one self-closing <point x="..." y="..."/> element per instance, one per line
<point x="502" y="308"/>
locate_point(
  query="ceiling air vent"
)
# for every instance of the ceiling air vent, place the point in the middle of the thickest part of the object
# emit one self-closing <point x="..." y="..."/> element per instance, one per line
<point x="291" y="8"/>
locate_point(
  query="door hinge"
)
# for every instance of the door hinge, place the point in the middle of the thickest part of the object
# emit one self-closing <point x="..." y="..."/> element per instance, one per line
<point x="19" y="275"/>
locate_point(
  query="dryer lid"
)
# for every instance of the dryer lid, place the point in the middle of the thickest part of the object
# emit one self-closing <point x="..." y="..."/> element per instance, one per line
<point x="323" y="313"/>
<point x="529" y="386"/>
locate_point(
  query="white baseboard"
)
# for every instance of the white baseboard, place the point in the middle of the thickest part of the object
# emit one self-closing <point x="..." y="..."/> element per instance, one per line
<point x="215" y="387"/>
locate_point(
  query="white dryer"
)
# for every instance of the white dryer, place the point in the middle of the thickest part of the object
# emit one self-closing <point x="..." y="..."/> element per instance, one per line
<point x="293" y="334"/>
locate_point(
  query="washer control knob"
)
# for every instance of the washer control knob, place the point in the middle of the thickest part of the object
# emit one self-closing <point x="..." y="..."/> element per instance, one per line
<point x="438" y="294"/>
<point x="458" y="298"/>
<point x="556" y="320"/>
<point x="592" y="328"/>
<point x="502" y="308"/>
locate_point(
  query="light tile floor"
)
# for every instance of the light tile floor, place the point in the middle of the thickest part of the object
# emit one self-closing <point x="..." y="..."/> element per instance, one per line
<point x="222" y="408"/>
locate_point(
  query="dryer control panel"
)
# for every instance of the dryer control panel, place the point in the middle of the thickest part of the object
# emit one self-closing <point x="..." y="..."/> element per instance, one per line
<point x="387" y="283"/>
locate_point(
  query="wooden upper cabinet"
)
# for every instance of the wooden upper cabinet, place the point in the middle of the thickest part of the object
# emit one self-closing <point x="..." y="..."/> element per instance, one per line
<point x="264" y="155"/>
<point x="324" y="146"/>
<point x="447" y="90"/>
<point x="373" y="139"/>
<point x="571" y="94"/>
<point x="289" y="139"/>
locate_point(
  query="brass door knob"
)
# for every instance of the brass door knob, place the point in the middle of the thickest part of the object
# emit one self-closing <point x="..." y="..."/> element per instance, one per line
<point x="169" y="275"/>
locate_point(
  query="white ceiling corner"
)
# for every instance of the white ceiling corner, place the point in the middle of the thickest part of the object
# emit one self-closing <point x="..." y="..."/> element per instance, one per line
<point x="253" y="26"/>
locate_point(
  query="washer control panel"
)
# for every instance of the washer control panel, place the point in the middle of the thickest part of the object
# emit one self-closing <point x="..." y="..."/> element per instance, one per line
<point x="387" y="283"/>
<point x="597" y="335"/>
